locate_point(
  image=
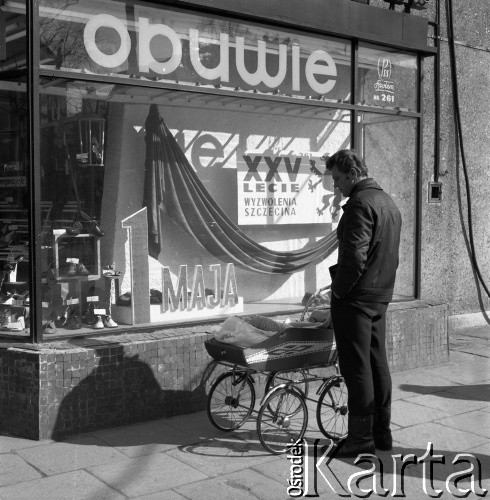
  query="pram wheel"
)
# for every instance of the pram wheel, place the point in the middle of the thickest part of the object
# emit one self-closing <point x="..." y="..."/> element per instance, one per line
<point x="331" y="411"/>
<point x="231" y="400"/>
<point x="296" y="376"/>
<point x="282" y="420"/>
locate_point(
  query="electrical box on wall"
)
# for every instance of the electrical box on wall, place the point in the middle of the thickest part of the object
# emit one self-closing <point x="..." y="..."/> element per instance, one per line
<point x="435" y="192"/>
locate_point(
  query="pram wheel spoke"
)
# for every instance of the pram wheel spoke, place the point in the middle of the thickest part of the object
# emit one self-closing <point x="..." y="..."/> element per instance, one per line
<point x="282" y="420"/>
<point x="331" y="411"/>
<point x="295" y="376"/>
<point x="231" y="400"/>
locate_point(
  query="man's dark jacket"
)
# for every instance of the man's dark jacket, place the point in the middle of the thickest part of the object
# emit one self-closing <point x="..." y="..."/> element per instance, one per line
<point x="369" y="238"/>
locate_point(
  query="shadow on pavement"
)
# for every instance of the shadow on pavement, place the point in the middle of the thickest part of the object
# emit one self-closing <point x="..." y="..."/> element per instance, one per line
<point x="480" y="392"/>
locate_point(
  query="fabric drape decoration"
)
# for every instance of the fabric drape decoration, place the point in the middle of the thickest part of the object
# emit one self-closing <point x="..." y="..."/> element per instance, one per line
<point x="172" y="186"/>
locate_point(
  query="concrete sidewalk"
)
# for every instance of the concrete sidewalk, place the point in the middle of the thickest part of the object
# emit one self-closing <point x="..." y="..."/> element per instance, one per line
<point x="186" y="457"/>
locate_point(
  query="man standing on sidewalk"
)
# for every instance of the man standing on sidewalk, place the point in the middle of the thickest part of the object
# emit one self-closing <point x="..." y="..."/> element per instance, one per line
<point x="362" y="287"/>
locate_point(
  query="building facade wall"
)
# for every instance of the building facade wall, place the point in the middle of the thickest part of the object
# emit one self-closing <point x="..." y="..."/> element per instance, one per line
<point x="446" y="271"/>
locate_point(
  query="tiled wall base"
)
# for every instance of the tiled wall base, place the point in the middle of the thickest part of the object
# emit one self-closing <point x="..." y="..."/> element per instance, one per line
<point x="59" y="389"/>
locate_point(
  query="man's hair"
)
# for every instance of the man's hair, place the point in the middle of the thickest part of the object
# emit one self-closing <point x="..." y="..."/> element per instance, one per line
<point x="345" y="159"/>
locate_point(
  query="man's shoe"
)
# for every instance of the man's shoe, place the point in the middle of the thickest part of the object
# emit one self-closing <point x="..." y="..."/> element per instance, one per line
<point x="359" y="437"/>
<point x="381" y="429"/>
<point x="50" y="328"/>
<point x="74" y="322"/>
<point x="75" y="229"/>
<point x="109" y="322"/>
<point x="82" y="270"/>
<point x="72" y="270"/>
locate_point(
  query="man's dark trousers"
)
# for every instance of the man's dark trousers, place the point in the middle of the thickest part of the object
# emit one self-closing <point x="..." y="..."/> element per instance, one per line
<point x="360" y="331"/>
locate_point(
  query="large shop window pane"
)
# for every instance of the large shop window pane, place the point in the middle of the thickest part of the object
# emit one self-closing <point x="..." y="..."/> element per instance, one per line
<point x="217" y="205"/>
<point x="157" y="44"/>
<point x="389" y="147"/>
<point x="387" y="78"/>
<point x="14" y="173"/>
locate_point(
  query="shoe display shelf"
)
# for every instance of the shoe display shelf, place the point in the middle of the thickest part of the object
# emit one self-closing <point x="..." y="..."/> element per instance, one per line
<point x="92" y="261"/>
<point x="15" y="218"/>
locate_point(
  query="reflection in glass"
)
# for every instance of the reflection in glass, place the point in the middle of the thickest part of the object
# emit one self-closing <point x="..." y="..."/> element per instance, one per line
<point x="249" y="166"/>
<point x="389" y="147"/>
<point x="14" y="173"/>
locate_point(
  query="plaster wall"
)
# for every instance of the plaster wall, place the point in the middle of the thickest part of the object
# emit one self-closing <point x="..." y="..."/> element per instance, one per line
<point x="446" y="271"/>
<point x="447" y="274"/>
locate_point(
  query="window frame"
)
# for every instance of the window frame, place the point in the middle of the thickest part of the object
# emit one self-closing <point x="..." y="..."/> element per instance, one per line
<point x="34" y="74"/>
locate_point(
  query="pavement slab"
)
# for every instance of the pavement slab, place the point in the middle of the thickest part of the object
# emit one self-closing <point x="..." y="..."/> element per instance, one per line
<point x="197" y="425"/>
<point x="221" y="456"/>
<point x="10" y="443"/>
<point x="477" y="422"/>
<point x="146" y="438"/>
<point x="406" y="413"/>
<point x="242" y="485"/>
<point x="442" y="437"/>
<point x="161" y="495"/>
<point x="75" y="485"/>
<point x="75" y="453"/>
<point x="14" y="470"/>
<point x="146" y="474"/>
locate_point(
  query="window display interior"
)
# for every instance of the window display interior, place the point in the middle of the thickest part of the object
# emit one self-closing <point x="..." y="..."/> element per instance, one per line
<point x="14" y="205"/>
<point x="231" y="195"/>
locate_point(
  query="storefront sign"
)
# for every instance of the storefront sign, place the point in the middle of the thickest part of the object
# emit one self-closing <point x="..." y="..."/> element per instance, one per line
<point x="384" y="88"/>
<point x="280" y="190"/>
<point x="182" y="52"/>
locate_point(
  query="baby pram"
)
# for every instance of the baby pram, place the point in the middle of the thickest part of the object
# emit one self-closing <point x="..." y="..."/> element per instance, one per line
<point x="286" y="357"/>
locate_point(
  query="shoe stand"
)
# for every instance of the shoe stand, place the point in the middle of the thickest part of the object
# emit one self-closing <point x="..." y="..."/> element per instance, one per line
<point x="71" y="255"/>
<point x="76" y="249"/>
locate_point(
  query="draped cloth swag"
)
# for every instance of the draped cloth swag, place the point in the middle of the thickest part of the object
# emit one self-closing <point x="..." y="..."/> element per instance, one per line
<point x="173" y="187"/>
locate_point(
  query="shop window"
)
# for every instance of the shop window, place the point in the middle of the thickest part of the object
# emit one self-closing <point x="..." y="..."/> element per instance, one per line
<point x="389" y="146"/>
<point x="387" y="78"/>
<point x="14" y="173"/>
<point x="215" y="204"/>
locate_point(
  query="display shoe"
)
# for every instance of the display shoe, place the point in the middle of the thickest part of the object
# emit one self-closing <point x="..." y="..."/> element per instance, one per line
<point x="18" y="325"/>
<point x="4" y="229"/>
<point x="109" y="322"/>
<point x="7" y="239"/>
<point x="74" y="322"/>
<point x="82" y="270"/>
<point x="98" y="324"/>
<point x="48" y="277"/>
<point x="61" y="321"/>
<point x="7" y="268"/>
<point x="90" y="225"/>
<point x="89" y="317"/>
<point x="5" y="297"/>
<point x="75" y="229"/>
<point x="72" y="270"/>
<point x="110" y="272"/>
<point x="50" y="328"/>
